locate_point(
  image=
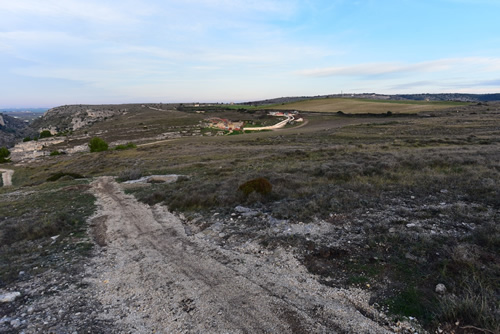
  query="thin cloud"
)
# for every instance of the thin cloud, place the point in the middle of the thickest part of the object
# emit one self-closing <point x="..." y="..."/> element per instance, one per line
<point x="281" y="8"/>
<point x="87" y="10"/>
<point x="412" y="85"/>
<point x="491" y="83"/>
<point x="383" y="69"/>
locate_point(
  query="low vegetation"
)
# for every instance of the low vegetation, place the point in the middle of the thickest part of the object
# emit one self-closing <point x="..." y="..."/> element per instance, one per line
<point x="125" y="147"/>
<point x="66" y="175"/>
<point x="97" y="144"/>
<point x="4" y="154"/>
<point x="43" y="223"/>
<point x="45" y="134"/>
<point x="259" y="185"/>
<point x="409" y="202"/>
<point x="414" y="197"/>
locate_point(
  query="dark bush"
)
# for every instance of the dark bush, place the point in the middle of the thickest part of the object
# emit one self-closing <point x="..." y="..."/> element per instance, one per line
<point x="97" y="144"/>
<point x="259" y="185"/>
<point x="58" y="175"/>
<point x="45" y="134"/>
<point x="4" y="153"/>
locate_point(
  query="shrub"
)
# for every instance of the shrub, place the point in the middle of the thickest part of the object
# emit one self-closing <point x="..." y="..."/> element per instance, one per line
<point x="4" y="153"/>
<point x="45" y="134"/>
<point x="53" y="153"/>
<point x="58" y="175"/>
<point x="26" y="139"/>
<point x="129" y="174"/>
<point x="259" y="185"/>
<point x="97" y="144"/>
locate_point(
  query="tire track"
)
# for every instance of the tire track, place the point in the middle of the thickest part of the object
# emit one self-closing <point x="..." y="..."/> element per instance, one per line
<point x="152" y="277"/>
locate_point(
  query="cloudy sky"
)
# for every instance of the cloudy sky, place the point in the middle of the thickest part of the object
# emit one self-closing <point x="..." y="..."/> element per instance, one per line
<point x="55" y="52"/>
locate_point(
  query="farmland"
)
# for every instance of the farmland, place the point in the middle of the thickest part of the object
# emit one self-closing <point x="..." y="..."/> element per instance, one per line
<point x="365" y="106"/>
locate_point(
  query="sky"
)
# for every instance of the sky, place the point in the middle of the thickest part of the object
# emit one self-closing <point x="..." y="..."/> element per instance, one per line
<point x="57" y="52"/>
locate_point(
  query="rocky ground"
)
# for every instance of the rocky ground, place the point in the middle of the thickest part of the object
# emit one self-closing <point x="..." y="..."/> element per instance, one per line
<point x="152" y="273"/>
<point x="379" y="227"/>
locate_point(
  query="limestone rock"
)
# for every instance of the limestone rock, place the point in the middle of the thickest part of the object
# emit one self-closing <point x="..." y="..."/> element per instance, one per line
<point x="440" y="289"/>
<point x="9" y="297"/>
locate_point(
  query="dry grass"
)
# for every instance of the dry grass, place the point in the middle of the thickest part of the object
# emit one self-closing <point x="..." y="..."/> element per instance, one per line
<point x="369" y="173"/>
<point x="362" y="106"/>
<point x="31" y="216"/>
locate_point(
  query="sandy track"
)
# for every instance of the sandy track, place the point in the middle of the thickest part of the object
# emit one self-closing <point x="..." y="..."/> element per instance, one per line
<point x="151" y="277"/>
<point x="6" y="176"/>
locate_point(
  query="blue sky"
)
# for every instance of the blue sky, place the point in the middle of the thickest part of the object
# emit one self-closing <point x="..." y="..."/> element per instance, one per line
<point x="56" y="52"/>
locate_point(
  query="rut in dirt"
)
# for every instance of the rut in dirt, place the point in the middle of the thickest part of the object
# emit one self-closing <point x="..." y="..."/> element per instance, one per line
<point x="153" y="277"/>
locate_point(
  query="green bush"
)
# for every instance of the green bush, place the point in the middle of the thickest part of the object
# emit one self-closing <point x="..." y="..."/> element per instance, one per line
<point x="4" y="154"/>
<point x="45" y="134"/>
<point x="259" y="185"/>
<point x="97" y="144"/>
<point x="53" y="153"/>
<point x="27" y="139"/>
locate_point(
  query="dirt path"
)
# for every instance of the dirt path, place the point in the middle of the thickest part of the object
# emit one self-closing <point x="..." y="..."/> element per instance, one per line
<point x="6" y="176"/>
<point x="152" y="277"/>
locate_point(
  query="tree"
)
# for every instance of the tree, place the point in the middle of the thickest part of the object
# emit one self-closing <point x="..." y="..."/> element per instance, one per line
<point x="4" y="153"/>
<point x="45" y="134"/>
<point x="97" y="144"/>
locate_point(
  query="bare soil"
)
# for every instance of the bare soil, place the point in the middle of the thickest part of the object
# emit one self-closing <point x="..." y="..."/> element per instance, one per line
<point x="152" y="277"/>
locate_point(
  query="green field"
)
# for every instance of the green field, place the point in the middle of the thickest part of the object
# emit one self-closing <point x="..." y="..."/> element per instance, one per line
<point x="363" y="106"/>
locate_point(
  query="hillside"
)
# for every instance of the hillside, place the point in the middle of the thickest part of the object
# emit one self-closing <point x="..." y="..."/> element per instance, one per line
<point x="74" y="117"/>
<point x="12" y="130"/>
<point x="354" y="224"/>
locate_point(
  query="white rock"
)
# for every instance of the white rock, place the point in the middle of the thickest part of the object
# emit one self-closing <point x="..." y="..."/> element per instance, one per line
<point x="441" y="289"/>
<point x="15" y="323"/>
<point x="242" y="209"/>
<point x="9" y="297"/>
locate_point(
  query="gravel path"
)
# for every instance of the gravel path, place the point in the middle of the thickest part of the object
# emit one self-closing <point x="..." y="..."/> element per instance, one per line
<point x="151" y="277"/>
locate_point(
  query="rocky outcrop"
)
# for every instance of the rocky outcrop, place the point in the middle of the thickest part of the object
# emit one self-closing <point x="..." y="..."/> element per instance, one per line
<point x="74" y="117"/>
<point x="33" y="149"/>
